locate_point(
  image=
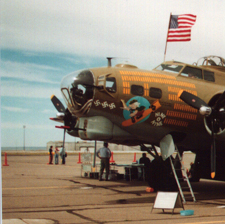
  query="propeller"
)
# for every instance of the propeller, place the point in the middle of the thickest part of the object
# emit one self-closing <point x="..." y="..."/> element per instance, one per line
<point x="58" y="105"/>
<point x="64" y="116"/>
<point x="215" y="114"/>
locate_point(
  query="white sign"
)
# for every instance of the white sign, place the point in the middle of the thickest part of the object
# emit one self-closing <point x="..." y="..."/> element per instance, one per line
<point x="167" y="200"/>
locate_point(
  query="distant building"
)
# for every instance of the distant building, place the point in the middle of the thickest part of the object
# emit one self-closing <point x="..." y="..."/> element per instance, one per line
<point x="69" y="146"/>
<point x="88" y="146"/>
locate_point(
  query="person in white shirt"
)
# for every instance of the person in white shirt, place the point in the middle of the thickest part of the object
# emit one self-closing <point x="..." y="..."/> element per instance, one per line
<point x="104" y="154"/>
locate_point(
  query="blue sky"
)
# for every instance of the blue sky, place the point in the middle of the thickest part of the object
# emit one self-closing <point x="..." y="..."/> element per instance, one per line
<point x="28" y="80"/>
<point x="42" y="41"/>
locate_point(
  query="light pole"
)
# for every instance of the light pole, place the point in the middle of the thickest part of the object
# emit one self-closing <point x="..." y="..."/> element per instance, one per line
<point x="24" y="137"/>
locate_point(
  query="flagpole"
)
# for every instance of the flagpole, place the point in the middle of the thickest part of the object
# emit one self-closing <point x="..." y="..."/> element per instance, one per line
<point x="167" y="36"/>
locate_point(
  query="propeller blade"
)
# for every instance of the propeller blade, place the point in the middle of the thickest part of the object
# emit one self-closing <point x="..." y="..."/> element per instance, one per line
<point x="191" y="99"/>
<point x="56" y="119"/>
<point x="213" y="153"/>
<point x="57" y="103"/>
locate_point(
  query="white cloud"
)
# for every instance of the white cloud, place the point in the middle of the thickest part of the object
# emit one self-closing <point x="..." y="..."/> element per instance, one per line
<point x="47" y="111"/>
<point x="13" y="89"/>
<point x="131" y="29"/>
<point x="15" y="109"/>
<point x="27" y="71"/>
<point x="128" y="29"/>
<point x="18" y="125"/>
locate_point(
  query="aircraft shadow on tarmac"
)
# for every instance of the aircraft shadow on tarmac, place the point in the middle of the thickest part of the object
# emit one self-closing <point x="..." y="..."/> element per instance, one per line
<point x="206" y="192"/>
<point x="209" y="190"/>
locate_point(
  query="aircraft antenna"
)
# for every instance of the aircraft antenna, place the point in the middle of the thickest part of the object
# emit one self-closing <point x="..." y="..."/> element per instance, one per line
<point x="110" y="61"/>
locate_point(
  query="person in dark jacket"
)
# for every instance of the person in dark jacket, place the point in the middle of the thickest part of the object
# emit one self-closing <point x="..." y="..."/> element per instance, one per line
<point x="50" y="155"/>
<point x="146" y="161"/>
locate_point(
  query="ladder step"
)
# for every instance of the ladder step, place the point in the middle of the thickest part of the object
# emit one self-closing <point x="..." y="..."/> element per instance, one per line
<point x="185" y="178"/>
<point x="188" y="198"/>
<point x="185" y="188"/>
<point x="180" y="169"/>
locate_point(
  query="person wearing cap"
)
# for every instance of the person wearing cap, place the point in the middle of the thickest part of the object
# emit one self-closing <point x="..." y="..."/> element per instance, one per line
<point x="104" y="154"/>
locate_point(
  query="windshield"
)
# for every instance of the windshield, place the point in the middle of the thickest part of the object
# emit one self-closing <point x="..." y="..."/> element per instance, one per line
<point x="169" y="68"/>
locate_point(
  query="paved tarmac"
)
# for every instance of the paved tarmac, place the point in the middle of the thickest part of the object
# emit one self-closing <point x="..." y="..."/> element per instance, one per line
<point x="34" y="192"/>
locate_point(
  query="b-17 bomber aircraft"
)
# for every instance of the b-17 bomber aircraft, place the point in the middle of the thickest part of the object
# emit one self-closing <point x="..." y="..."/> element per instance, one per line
<point x="129" y="106"/>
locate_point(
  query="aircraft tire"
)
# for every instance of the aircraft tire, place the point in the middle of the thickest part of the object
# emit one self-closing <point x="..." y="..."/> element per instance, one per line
<point x="160" y="175"/>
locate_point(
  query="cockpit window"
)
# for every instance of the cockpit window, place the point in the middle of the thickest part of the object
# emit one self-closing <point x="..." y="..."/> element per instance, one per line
<point x="209" y="76"/>
<point x="169" y="68"/>
<point x="107" y="83"/>
<point x="192" y="72"/>
<point x="110" y="84"/>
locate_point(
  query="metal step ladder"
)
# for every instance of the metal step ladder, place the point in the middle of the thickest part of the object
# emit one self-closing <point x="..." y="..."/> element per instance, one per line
<point x="184" y="176"/>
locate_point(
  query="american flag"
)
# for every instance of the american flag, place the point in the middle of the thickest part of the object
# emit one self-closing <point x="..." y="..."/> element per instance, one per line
<point x="180" y="27"/>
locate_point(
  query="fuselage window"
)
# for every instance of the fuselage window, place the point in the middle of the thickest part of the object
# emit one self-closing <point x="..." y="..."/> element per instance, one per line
<point x="155" y="93"/>
<point x="137" y="90"/>
<point x="192" y="72"/>
<point x="209" y="76"/>
<point x="110" y="84"/>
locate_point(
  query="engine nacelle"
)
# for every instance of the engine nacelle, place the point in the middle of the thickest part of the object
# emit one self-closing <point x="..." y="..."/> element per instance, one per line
<point x="220" y="135"/>
<point x="220" y="130"/>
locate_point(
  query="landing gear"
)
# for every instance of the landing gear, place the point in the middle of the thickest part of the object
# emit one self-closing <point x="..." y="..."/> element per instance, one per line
<point x="159" y="175"/>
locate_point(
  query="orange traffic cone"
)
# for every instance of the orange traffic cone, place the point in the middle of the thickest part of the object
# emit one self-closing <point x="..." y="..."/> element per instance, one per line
<point x="5" y="164"/>
<point x="111" y="160"/>
<point x="134" y="161"/>
<point x="79" y="161"/>
<point x="149" y="189"/>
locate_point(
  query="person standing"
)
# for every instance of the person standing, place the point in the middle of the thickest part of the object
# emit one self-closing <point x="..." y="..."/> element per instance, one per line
<point x="50" y="155"/>
<point x="104" y="154"/>
<point x="146" y="161"/>
<point x="56" y="156"/>
<point x="63" y="154"/>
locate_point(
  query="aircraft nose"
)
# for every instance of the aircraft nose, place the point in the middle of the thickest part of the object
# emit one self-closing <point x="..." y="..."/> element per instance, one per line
<point x="78" y="91"/>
